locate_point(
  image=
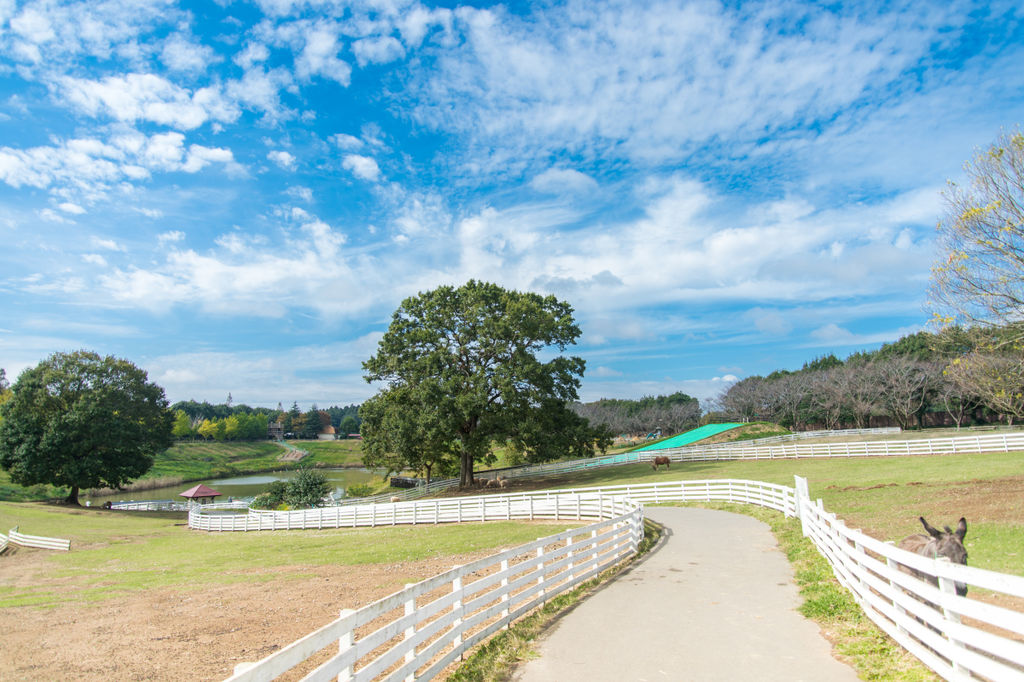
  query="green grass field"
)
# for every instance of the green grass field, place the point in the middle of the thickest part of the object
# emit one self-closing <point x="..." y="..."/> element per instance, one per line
<point x="197" y="461"/>
<point x="119" y="552"/>
<point x="885" y="495"/>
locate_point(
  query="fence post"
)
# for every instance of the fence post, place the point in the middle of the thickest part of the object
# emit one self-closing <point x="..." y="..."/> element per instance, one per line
<point x="504" y="591"/>
<point x="344" y="644"/>
<point x="457" y="609"/>
<point x="802" y="494"/>
<point x="540" y="568"/>
<point x="891" y="563"/>
<point x="410" y="632"/>
<point x="568" y="542"/>
<point x="948" y="587"/>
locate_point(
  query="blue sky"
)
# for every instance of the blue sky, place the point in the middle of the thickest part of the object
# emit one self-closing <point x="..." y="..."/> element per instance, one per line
<point x="236" y="195"/>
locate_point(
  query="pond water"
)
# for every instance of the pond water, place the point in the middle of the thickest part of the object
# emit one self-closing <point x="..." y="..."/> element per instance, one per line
<point x="240" y="486"/>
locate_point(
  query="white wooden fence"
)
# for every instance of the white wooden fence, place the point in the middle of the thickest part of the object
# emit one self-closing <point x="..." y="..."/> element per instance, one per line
<point x="3" y="543"/>
<point x="1008" y="442"/>
<point x="416" y="632"/>
<point x="958" y="637"/>
<point x="173" y="505"/>
<point x="37" y="541"/>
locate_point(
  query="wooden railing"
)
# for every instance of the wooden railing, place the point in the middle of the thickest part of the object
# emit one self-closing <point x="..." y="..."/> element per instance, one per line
<point x="37" y="541"/>
<point x="955" y="636"/>
<point x="416" y="632"/>
<point x="433" y="622"/>
<point x="932" y="446"/>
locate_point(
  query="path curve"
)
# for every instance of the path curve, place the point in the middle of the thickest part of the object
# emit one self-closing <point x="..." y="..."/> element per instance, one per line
<point x="716" y="601"/>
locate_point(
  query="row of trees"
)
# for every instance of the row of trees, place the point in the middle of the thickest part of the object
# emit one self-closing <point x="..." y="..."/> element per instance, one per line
<point x="958" y="375"/>
<point x="672" y="413"/>
<point x="234" y="427"/>
<point x="227" y="421"/>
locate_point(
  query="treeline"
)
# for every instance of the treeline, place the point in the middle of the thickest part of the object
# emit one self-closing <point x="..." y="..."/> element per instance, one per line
<point x="954" y="377"/>
<point x="669" y="413"/>
<point x="229" y="422"/>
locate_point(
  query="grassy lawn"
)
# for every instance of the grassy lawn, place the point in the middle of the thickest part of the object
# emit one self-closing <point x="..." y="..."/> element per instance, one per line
<point x="193" y="461"/>
<point x="205" y="460"/>
<point x="885" y="495"/>
<point x="119" y="552"/>
<point x="332" y="453"/>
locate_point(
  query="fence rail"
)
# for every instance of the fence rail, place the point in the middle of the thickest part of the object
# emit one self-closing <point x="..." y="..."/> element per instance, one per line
<point x="932" y="446"/>
<point x="957" y="637"/>
<point x="416" y="632"/>
<point x="433" y="622"/>
<point x="3" y="543"/>
<point x="37" y="541"/>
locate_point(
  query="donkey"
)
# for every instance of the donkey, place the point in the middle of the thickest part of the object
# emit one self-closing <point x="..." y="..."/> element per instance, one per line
<point x="949" y="544"/>
<point x="657" y="461"/>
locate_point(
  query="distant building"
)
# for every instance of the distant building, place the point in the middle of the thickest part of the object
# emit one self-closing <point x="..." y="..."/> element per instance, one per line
<point x="275" y="430"/>
<point x="327" y="433"/>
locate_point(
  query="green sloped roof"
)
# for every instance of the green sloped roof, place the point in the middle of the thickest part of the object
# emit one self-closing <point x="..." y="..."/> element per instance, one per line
<point x="688" y="437"/>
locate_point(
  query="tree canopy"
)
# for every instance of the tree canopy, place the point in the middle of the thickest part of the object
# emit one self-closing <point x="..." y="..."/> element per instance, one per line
<point x="979" y="277"/>
<point x="78" y="420"/>
<point x="475" y="349"/>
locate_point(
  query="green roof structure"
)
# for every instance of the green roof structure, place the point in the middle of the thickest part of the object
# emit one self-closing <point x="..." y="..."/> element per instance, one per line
<point x="689" y="437"/>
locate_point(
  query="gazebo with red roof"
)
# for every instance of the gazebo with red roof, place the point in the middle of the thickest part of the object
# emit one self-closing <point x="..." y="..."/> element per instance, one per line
<point x="200" y="493"/>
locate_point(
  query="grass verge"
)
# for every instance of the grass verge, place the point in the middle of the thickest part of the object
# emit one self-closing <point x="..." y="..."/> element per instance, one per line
<point x="495" y="660"/>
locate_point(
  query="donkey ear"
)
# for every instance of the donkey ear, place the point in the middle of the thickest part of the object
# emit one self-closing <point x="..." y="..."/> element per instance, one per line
<point x="961" y="529"/>
<point x="935" y="533"/>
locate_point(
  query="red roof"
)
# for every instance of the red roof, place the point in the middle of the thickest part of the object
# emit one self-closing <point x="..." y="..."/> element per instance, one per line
<point x="199" y="491"/>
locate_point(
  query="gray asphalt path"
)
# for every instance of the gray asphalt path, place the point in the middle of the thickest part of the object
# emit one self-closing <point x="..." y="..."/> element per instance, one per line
<point x="716" y="601"/>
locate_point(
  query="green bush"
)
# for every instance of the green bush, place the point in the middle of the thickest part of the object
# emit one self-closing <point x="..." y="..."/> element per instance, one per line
<point x="307" y="488"/>
<point x="359" y="490"/>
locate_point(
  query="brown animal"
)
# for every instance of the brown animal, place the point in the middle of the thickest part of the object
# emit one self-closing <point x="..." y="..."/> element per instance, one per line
<point x="503" y="482"/>
<point x="493" y="483"/>
<point x="396" y="498"/>
<point x="949" y="544"/>
<point x="658" y="461"/>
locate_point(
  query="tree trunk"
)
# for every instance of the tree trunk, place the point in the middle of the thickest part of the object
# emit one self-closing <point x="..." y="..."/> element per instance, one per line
<point x="72" y="497"/>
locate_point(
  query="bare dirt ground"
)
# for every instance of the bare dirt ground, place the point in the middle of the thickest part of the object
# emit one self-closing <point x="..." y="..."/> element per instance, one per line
<point x="200" y="634"/>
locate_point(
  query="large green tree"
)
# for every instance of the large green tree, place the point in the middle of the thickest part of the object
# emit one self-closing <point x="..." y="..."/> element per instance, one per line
<point x="476" y="347"/>
<point x="79" y="420"/>
<point x="403" y="428"/>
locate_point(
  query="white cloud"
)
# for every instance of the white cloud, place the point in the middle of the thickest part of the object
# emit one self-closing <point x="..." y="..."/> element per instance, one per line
<point x="106" y="244"/>
<point x="95" y="259"/>
<point x="254" y="53"/>
<point x="73" y="209"/>
<point x="595" y="79"/>
<point x="377" y="50"/>
<point x="171" y="237"/>
<point x="319" y="57"/>
<point x="563" y="180"/>
<point x="181" y="54"/>
<point x="346" y="142"/>
<point x="148" y="97"/>
<point x="282" y="159"/>
<point x="363" y="167"/>
<point x="301" y="193"/>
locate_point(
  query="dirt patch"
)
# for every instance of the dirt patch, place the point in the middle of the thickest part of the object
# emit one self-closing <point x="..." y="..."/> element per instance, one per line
<point x="195" y="634"/>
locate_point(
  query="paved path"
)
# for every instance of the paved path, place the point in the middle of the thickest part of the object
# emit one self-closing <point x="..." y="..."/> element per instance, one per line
<point x="716" y="601"/>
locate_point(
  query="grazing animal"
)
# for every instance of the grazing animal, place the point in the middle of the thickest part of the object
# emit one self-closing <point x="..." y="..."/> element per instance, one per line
<point x="949" y="544"/>
<point x="396" y="498"/>
<point x="658" y="461"/>
<point x="493" y="483"/>
<point x="503" y="482"/>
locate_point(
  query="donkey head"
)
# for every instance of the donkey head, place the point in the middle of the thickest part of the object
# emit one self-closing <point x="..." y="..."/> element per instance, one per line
<point x="949" y="544"/>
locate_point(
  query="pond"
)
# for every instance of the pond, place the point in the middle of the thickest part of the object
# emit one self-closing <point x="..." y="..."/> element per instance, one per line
<point x="240" y="486"/>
